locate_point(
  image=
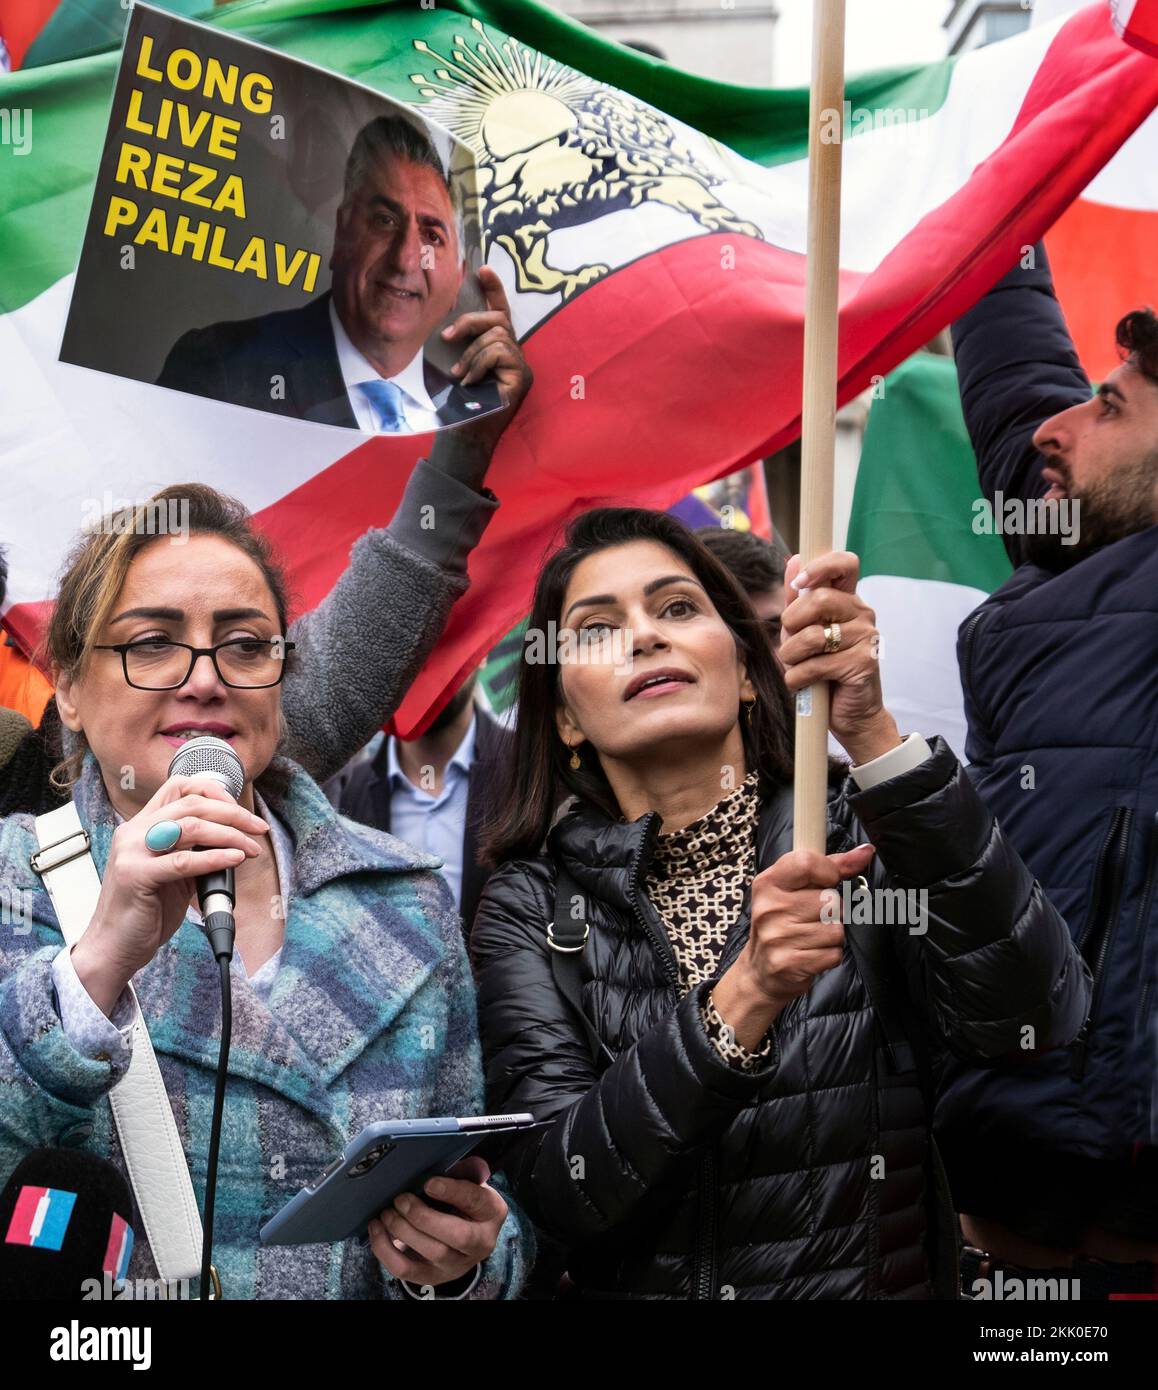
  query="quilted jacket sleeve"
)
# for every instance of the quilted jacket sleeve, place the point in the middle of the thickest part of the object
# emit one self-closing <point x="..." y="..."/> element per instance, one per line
<point x="995" y="972"/>
<point x="618" y="1135"/>
<point x="1016" y="366"/>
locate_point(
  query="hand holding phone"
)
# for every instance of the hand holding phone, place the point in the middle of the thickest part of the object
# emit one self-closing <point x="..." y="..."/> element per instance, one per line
<point x="441" y="1235"/>
<point x="392" y="1158"/>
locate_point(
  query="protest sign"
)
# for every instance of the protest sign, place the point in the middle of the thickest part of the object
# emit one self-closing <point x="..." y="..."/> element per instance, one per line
<point x="268" y="234"/>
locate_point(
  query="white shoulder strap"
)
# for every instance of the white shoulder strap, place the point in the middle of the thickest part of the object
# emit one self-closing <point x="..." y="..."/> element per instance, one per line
<point x="144" y="1117"/>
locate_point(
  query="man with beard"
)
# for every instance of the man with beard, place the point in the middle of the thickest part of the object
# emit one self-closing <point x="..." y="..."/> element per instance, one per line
<point x="1052" y="1162"/>
<point x="431" y="791"/>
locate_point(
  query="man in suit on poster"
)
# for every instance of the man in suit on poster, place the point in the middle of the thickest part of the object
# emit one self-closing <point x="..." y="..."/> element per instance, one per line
<point x="354" y="356"/>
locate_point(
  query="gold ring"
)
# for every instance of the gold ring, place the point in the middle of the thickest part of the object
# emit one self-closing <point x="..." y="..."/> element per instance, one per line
<point x="831" y="637"/>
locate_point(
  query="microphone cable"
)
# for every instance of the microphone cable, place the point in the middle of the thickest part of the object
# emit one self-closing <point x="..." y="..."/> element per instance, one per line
<point x="215" y="894"/>
<point x="208" y="1273"/>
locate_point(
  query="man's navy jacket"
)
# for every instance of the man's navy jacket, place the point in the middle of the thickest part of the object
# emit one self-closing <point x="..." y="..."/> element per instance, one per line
<point x="1060" y="675"/>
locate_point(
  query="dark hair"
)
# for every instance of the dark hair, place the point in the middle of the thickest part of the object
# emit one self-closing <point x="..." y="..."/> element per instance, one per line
<point x="1137" y="338"/>
<point x="537" y="777"/>
<point x="3" y="574"/>
<point x="390" y="135"/>
<point x="756" y="564"/>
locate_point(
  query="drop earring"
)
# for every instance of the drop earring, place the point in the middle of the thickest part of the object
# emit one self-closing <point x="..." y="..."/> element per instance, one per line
<point x="576" y="764"/>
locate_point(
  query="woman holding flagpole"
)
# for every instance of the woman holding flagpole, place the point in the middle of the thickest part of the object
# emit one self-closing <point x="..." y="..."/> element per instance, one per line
<point x="736" y="1049"/>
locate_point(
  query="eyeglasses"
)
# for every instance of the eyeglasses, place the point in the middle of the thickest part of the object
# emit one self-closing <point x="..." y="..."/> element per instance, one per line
<point x="243" y="663"/>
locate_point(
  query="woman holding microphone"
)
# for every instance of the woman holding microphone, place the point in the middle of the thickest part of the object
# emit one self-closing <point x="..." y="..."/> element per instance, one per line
<point x="737" y="1078"/>
<point x="352" y="995"/>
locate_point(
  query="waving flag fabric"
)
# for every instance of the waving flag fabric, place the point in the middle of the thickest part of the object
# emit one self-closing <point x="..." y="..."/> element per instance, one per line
<point x="49" y="31"/>
<point x="650" y="229"/>
<point x="1103" y="250"/>
<point x="1137" y="22"/>
<point x="924" y="568"/>
<point x="20" y="22"/>
<point x="924" y="565"/>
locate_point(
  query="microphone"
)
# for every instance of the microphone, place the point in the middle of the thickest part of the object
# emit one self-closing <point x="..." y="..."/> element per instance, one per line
<point x="213" y="757"/>
<point x="65" y="1226"/>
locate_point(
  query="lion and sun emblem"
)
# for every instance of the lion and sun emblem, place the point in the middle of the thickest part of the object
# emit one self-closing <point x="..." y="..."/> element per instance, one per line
<point x="554" y="149"/>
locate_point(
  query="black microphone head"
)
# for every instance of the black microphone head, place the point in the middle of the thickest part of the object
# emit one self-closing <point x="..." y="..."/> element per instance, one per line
<point x="66" y="1219"/>
<point x="213" y="756"/>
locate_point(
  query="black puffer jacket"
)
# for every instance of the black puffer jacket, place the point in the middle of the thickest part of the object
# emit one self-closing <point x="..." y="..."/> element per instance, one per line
<point x="672" y="1175"/>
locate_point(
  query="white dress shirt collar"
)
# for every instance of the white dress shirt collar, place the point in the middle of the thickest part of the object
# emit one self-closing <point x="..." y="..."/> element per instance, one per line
<point x="461" y="758"/>
<point x="421" y="412"/>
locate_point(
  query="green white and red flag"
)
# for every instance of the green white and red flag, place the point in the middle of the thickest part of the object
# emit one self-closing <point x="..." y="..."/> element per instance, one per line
<point x="659" y="294"/>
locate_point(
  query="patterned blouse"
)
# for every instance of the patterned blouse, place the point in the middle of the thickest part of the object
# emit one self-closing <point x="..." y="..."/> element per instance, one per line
<point x="696" y="883"/>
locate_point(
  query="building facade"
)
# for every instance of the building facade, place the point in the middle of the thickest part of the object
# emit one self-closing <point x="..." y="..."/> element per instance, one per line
<point x="727" y="40"/>
<point x="974" y="23"/>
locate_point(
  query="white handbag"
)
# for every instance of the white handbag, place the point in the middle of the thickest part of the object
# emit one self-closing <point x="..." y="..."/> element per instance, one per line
<point x="144" y="1118"/>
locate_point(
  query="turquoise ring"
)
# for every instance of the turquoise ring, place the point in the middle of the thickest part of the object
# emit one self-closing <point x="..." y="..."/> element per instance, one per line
<point x="163" y="836"/>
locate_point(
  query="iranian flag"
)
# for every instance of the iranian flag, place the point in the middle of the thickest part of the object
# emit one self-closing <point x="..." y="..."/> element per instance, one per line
<point x="924" y="569"/>
<point x="1137" y="22"/>
<point x="923" y="566"/>
<point x="1103" y="250"/>
<point x="651" y="237"/>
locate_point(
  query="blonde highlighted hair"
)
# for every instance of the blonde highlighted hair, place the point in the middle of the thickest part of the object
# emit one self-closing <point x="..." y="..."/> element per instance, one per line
<point x="98" y="564"/>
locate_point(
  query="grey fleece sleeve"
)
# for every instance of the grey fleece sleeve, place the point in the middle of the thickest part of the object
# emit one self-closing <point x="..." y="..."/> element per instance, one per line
<point x="360" y="649"/>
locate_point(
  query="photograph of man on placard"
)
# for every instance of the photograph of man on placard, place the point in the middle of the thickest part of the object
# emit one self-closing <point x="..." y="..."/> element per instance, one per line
<point x="354" y="356"/>
<point x="267" y="234"/>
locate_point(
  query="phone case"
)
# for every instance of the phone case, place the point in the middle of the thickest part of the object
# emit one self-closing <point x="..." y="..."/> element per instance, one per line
<point x="386" y="1159"/>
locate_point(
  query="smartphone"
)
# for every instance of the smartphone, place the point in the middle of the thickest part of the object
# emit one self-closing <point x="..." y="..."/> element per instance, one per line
<point x="386" y="1159"/>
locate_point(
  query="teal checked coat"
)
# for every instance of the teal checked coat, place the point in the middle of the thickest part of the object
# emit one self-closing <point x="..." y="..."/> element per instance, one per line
<point x="371" y="1016"/>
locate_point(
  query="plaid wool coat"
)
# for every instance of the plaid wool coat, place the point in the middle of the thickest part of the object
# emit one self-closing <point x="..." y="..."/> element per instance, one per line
<point x="371" y="1016"/>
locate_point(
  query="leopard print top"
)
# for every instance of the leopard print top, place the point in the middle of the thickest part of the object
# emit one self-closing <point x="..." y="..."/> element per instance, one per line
<point x="696" y="883"/>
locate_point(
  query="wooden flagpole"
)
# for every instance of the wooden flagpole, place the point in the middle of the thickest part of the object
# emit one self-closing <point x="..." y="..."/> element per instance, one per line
<point x="818" y="414"/>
